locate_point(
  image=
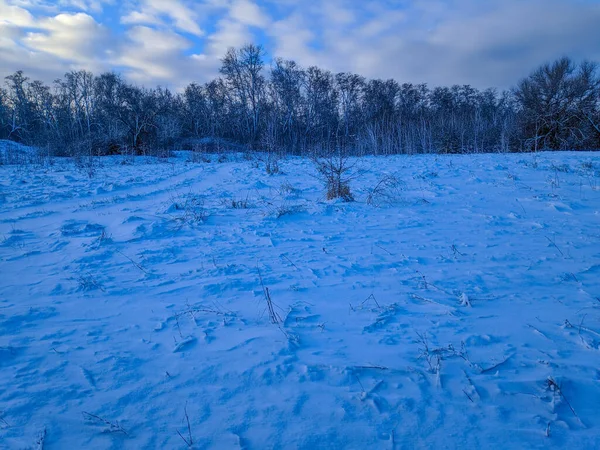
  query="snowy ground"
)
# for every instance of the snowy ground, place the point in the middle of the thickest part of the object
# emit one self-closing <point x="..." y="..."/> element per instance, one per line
<point x="463" y="311"/>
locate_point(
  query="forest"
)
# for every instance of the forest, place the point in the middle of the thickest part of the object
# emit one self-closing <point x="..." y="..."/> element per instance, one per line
<point x="277" y="106"/>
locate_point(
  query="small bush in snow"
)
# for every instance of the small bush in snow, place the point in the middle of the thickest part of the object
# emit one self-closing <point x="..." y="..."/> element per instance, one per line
<point x="272" y="163"/>
<point x="188" y="208"/>
<point x="388" y="190"/>
<point x="336" y="171"/>
<point x="242" y="203"/>
<point x="286" y="189"/>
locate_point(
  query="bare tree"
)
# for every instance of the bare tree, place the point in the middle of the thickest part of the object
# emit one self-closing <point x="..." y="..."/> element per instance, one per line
<point x="243" y="72"/>
<point x="556" y="103"/>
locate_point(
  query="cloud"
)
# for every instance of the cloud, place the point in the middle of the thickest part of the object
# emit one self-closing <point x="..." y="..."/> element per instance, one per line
<point x="156" y="52"/>
<point x="15" y="15"/>
<point x="57" y="6"/>
<point x="71" y="37"/>
<point x="48" y="47"/>
<point x="151" y="54"/>
<point x="149" y="57"/>
<point x="441" y="42"/>
<point x="86" y="5"/>
<point x="248" y="13"/>
<point x="183" y="17"/>
<point x="491" y="43"/>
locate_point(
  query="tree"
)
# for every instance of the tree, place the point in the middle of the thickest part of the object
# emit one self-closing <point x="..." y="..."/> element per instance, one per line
<point x="140" y="107"/>
<point x="19" y="106"/>
<point x="379" y="117"/>
<point x="557" y="104"/>
<point x="195" y="111"/>
<point x="286" y="101"/>
<point x="350" y="87"/>
<point x="303" y="111"/>
<point x="4" y="114"/>
<point x="242" y="70"/>
<point x="321" y="109"/>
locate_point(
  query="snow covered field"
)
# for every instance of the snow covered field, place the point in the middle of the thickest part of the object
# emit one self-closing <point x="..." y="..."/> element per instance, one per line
<point x="460" y="311"/>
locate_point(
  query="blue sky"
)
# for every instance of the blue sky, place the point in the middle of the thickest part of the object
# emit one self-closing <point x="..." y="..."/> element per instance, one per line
<point x="173" y="42"/>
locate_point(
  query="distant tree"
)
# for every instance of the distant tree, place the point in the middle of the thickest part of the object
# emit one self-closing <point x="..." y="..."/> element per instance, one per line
<point x="169" y="119"/>
<point x="286" y="102"/>
<point x="350" y="87"/>
<point x="4" y="114"/>
<point x="379" y="117"/>
<point x="110" y="90"/>
<point x="321" y="110"/>
<point x="557" y="105"/>
<point x="45" y="123"/>
<point x="138" y="112"/>
<point x="19" y="106"/>
<point x="242" y="70"/>
<point x="195" y="111"/>
<point x="285" y="108"/>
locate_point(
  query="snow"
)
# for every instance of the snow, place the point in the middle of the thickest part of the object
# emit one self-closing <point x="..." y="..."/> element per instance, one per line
<point x="463" y="311"/>
<point x="15" y="153"/>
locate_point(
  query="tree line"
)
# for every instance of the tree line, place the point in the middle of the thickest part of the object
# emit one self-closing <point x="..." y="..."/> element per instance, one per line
<point x="282" y="107"/>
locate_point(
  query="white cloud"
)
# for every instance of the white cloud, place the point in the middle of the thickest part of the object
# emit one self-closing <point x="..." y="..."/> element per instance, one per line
<point x="141" y="18"/>
<point x="151" y="56"/>
<point x="293" y="40"/>
<point x="87" y="5"/>
<point x="72" y="37"/>
<point x="50" y="46"/>
<point x="150" y="53"/>
<point x="248" y="13"/>
<point x="183" y="17"/>
<point x="491" y="43"/>
<point x="229" y="33"/>
<point x="15" y="15"/>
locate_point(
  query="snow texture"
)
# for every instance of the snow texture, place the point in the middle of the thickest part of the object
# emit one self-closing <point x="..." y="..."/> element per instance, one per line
<point x="167" y="304"/>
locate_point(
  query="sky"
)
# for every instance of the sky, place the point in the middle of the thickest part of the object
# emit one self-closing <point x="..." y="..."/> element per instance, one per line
<point x="485" y="43"/>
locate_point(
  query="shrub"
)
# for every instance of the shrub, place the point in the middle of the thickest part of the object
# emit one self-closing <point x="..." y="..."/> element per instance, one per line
<point x="336" y="171"/>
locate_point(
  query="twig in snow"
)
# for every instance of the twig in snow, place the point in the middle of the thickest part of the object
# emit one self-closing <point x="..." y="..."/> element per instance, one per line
<point x="475" y="391"/>
<point x="464" y="300"/>
<point x="273" y="315"/>
<point x="88" y="282"/>
<point x="468" y="396"/>
<point x="427" y="300"/>
<point x="385" y="250"/>
<point x="556" y="388"/>
<point x="132" y="261"/>
<point x="362" y="305"/>
<point x="4" y="423"/>
<point x="553" y="243"/>
<point x="538" y="331"/>
<point x="581" y="327"/>
<point x="290" y="261"/>
<point x="374" y="367"/>
<point x="581" y="323"/>
<point x="361" y="385"/>
<point x="113" y="427"/>
<point x="39" y="443"/>
<point x="495" y="366"/>
<point x="178" y="326"/>
<point x="427" y="283"/>
<point x="432" y="356"/>
<point x="190" y="440"/>
<point x="456" y="251"/>
<point x="192" y="310"/>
